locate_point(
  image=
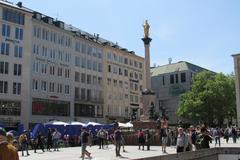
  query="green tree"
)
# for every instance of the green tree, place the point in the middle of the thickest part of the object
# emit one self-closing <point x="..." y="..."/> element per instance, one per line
<point x="211" y="99"/>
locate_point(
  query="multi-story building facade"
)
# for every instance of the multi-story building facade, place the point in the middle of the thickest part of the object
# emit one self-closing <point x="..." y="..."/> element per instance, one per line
<point x="51" y="70"/>
<point x="124" y="83"/>
<point x="168" y="82"/>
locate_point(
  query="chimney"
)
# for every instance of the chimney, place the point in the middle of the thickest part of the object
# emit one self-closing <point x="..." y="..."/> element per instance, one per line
<point x="19" y="4"/>
<point x="170" y="60"/>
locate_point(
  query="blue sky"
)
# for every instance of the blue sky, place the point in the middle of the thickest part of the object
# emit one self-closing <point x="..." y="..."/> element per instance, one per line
<point x="202" y="32"/>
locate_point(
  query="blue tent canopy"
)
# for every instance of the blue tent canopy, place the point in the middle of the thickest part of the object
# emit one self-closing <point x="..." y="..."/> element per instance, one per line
<point x="38" y="128"/>
<point x="73" y="130"/>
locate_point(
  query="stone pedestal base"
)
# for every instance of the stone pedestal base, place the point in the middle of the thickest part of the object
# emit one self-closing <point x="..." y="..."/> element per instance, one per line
<point x="148" y="99"/>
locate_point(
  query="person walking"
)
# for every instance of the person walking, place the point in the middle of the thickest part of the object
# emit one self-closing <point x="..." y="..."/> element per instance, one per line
<point x="39" y="142"/>
<point x="23" y="141"/>
<point x="84" y="142"/>
<point x="226" y="134"/>
<point x="56" y="136"/>
<point x="49" y="139"/>
<point x="217" y="136"/>
<point x="164" y="138"/>
<point x="117" y="141"/>
<point x="182" y="140"/>
<point x="7" y="150"/>
<point x="101" y="137"/>
<point x="147" y="139"/>
<point x="234" y="135"/>
<point x="141" y="139"/>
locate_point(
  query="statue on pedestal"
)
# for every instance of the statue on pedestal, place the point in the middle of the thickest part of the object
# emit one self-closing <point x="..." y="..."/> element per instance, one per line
<point x="146" y="27"/>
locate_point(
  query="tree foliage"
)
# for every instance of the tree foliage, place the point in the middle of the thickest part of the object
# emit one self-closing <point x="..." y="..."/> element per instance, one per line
<point x="211" y="99"/>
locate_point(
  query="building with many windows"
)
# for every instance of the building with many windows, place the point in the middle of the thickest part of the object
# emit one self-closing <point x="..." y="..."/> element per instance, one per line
<point x="52" y="70"/>
<point x="168" y="82"/>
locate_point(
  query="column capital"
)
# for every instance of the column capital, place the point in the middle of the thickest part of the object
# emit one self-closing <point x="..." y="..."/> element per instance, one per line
<point x="147" y="40"/>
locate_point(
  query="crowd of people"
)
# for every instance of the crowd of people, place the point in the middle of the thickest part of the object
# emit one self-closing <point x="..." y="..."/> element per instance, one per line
<point x="188" y="139"/>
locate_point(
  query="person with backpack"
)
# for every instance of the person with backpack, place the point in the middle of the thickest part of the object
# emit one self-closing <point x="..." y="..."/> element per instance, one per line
<point x="141" y="139"/>
<point x="84" y="143"/>
<point x="118" y="141"/>
<point x="182" y="140"/>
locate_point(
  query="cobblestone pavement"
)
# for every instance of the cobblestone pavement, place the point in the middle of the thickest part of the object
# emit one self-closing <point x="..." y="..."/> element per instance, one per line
<point x="73" y="153"/>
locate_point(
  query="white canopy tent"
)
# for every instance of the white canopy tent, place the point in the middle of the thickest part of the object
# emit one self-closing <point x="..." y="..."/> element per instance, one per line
<point x="76" y="123"/>
<point x="93" y="124"/>
<point x="125" y="125"/>
<point x="56" y="123"/>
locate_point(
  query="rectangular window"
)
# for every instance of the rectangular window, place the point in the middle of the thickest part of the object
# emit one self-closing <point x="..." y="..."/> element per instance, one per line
<point x="126" y="72"/>
<point x="43" y="85"/>
<point x="77" y="61"/>
<point x="35" y="84"/>
<point x="67" y="73"/>
<point x="176" y="78"/>
<point x="83" y="77"/>
<point x="88" y="79"/>
<point x="5" y="47"/>
<point x="59" y="88"/>
<point x="6" y="29"/>
<point x="67" y="89"/>
<point x="13" y="16"/>
<point x="77" y="93"/>
<point x="89" y="64"/>
<point x="77" y="77"/>
<point x="19" y="33"/>
<point x="183" y="77"/>
<point x="109" y="68"/>
<point x="172" y="79"/>
<point x="16" y="88"/>
<point x="18" y="51"/>
<point x="3" y="87"/>
<point x="17" y="71"/>
<point x="83" y="63"/>
<point x="99" y="67"/>
<point x="88" y="94"/>
<point x="60" y="72"/>
<point x="3" y="67"/>
<point x="95" y="66"/>
<point x="51" y="87"/>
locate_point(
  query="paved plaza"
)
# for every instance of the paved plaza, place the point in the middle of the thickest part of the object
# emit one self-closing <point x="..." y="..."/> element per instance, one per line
<point x="73" y="153"/>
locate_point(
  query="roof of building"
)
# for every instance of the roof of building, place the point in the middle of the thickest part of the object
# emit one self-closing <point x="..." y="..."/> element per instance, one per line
<point x="69" y="27"/>
<point x="176" y="67"/>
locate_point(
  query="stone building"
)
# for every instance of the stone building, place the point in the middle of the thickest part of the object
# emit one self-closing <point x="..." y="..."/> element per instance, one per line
<point x="53" y="70"/>
<point x="168" y="82"/>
